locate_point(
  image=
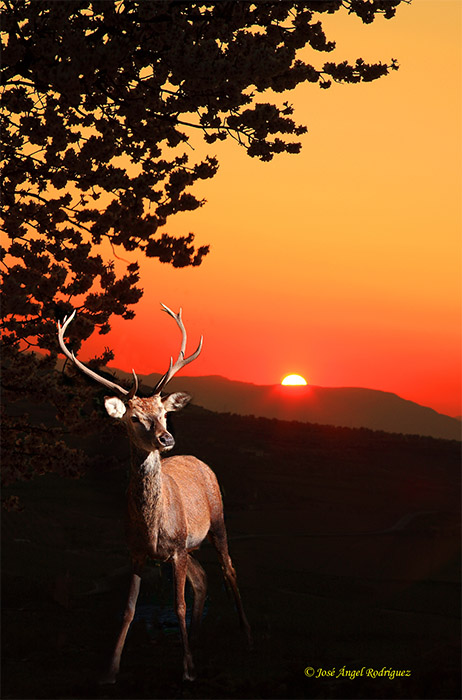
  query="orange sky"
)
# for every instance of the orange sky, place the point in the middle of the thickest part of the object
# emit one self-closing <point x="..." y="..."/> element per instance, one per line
<point x="342" y="263"/>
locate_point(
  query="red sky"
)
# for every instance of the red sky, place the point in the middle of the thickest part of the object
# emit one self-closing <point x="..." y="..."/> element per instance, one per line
<point x="342" y="263"/>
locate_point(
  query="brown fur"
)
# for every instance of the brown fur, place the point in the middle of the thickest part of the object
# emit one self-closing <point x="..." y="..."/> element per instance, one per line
<point x="173" y="504"/>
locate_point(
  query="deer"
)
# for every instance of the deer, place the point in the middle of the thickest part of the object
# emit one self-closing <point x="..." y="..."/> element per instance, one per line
<point x="173" y="503"/>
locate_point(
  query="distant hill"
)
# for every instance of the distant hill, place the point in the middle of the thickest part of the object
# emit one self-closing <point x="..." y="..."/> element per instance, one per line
<point x="344" y="407"/>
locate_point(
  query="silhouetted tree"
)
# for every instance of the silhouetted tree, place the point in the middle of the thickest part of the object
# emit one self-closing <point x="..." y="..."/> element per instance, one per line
<point x="99" y="101"/>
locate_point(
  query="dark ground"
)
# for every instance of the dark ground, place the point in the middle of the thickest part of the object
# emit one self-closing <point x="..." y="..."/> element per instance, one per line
<point x="346" y="547"/>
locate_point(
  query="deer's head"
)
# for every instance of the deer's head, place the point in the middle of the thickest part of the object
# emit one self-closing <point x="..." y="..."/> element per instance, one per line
<point x="144" y="418"/>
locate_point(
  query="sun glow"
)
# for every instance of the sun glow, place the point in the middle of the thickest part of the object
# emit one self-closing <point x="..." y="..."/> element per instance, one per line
<point x="293" y="380"/>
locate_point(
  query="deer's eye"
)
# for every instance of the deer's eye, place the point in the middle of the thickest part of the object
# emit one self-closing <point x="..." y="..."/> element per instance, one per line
<point x="135" y="419"/>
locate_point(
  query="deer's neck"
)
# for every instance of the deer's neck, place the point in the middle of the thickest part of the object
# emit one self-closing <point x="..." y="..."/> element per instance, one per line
<point x="145" y="489"/>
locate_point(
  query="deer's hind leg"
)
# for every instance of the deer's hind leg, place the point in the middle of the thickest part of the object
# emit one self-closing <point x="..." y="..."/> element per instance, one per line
<point x="217" y="536"/>
<point x="198" y="580"/>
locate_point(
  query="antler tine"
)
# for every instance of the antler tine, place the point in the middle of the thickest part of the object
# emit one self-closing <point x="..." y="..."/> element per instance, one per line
<point x="179" y="321"/>
<point x="70" y="355"/>
<point x="181" y="360"/>
<point x="134" y="388"/>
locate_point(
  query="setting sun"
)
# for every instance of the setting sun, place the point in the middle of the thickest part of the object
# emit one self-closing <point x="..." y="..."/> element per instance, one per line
<point x="293" y="380"/>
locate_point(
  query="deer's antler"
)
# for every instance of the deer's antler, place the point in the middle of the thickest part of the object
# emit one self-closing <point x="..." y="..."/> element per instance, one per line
<point x="181" y="360"/>
<point x="70" y="355"/>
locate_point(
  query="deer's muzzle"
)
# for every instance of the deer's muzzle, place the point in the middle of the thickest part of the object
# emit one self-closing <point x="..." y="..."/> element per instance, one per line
<point x="165" y="440"/>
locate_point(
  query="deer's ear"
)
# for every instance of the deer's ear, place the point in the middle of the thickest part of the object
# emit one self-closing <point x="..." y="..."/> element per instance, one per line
<point x="173" y="402"/>
<point x="114" y="406"/>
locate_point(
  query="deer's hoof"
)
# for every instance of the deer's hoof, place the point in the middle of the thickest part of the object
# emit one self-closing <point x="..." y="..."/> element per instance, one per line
<point x="189" y="675"/>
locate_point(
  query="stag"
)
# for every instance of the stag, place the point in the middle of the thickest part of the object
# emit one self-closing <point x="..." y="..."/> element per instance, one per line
<point x="173" y="503"/>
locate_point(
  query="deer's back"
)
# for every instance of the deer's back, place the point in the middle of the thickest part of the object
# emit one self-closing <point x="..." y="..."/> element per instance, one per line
<point x="194" y="483"/>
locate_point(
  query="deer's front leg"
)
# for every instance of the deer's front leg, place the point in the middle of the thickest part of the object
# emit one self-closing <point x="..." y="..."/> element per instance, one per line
<point x="180" y="565"/>
<point x="129" y="613"/>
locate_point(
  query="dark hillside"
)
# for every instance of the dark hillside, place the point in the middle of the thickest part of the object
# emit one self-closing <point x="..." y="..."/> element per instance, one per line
<point x="346" y="546"/>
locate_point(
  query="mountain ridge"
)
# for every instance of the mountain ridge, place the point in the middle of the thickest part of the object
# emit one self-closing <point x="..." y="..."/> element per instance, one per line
<point x="351" y="407"/>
